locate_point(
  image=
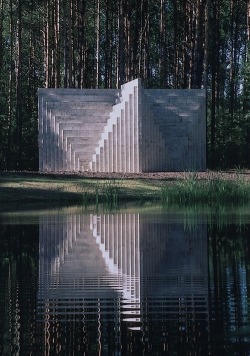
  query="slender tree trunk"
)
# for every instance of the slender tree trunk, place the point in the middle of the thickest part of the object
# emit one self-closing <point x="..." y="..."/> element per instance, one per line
<point x="175" y="47"/>
<point x="57" y="44"/>
<point x="248" y="20"/>
<point x="81" y="43"/>
<point x="128" y="52"/>
<point x="47" y="46"/>
<point x="162" y="44"/>
<point x="206" y="44"/>
<point x="198" y="45"/>
<point x="232" y="60"/>
<point x="65" y="44"/>
<point x="19" y="117"/>
<point x="121" y="50"/>
<point x="9" y="163"/>
<point x="98" y="44"/>
<point x="246" y="103"/>
<point x="1" y="35"/>
<point x="214" y="76"/>
<point x="70" y="49"/>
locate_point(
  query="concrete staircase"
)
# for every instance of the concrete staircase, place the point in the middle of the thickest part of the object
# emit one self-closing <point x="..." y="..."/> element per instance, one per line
<point x="71" y="121"/>
<point x="118" y="147"/>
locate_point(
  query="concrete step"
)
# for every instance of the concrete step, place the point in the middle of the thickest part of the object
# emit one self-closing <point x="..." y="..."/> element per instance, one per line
<point x="85" y="107"/>
<point x="82" y="99"/>
<point x="175" y="92"/>
<point x="85" y="134"/>
<point x="76" y="91"/>
<point x="96" y="126"/>
<point x="83" y="119"/>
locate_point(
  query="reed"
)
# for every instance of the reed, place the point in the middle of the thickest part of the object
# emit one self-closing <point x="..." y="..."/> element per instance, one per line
<point x="212" y="190"/>
<point x="105" y="193"/>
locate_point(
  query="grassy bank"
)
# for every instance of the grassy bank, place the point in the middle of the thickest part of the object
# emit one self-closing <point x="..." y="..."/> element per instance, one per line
<point x="35" y="188"/>
<point x="190" y="188"/>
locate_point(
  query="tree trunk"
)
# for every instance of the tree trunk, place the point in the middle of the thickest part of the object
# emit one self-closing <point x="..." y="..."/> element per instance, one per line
<point x="205" y="73"/>
<point x="98" y="44"/>
<point x="121" y="49"/>
<point x="198" y="45"/>
<point x="47" y="46"/>
<point x="65" y="44"/>
<point x="70" y="49"/>
<point x="19" y="118"/>
<point x="57" y="45"/>
<point x="9" y="163"/>
<point x="1" y="35"/>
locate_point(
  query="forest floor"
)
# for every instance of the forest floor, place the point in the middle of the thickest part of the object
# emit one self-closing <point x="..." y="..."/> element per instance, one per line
<point x="33" y="187"/>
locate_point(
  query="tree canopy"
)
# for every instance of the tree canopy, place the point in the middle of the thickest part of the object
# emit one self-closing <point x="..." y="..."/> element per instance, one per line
<point x="104" y="43"/>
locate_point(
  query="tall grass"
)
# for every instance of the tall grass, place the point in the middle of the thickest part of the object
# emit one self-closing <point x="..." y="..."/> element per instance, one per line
<point x="105" y="193"/>
<point x="213" y="190"/>
<point x="190" y="190"/>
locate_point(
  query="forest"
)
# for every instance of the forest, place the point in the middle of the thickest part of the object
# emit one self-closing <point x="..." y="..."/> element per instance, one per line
<point x="104" y="43"/>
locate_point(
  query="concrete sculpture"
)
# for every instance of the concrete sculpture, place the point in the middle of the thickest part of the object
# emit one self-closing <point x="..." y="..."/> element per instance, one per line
<point x="128" y="130"/>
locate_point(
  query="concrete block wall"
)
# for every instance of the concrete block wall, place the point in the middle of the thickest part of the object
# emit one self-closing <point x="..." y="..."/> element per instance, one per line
<point x="131" y="130"/>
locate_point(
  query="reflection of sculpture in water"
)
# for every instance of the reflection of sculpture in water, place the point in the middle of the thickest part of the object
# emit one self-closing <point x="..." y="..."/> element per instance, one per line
<point x="122" y="267"/>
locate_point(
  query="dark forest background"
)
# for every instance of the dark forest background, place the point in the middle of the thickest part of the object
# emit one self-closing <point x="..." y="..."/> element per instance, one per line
<point x="104" y="43"/>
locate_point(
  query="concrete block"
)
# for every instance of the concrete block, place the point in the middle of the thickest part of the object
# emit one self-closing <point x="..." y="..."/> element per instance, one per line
<point x="128" y="130"/>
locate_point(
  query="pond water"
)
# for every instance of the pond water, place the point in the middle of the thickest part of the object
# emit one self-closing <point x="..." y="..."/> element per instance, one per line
<point x="148" y="281"/>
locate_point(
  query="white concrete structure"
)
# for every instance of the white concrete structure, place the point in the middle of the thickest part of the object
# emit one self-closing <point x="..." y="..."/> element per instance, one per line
<point x="128" y="130"/>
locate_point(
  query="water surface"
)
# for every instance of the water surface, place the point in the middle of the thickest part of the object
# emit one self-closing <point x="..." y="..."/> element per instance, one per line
<point x="130" y="282"/>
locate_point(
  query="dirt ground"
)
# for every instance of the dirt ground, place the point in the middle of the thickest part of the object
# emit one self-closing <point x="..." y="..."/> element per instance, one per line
<point x="167" y="176"/>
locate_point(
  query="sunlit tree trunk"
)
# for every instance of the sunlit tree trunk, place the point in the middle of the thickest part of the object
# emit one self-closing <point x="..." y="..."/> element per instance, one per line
<point x="57" y="45"/>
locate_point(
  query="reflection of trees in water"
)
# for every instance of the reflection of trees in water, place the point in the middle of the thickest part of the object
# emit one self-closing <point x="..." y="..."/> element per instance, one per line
<point x="18" y="287"/>
<point x="229" y="248"/>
